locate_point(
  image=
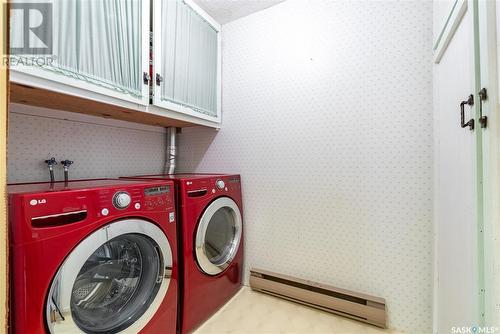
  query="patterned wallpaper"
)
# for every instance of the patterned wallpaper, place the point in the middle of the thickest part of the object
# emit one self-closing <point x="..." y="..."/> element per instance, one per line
<point x="99" y="147"/>
<point x="327" y="114"/>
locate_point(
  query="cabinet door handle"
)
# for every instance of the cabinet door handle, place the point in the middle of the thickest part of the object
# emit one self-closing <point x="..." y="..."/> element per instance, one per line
<point x="470" y="123"/>
<point x="145" y="78"/>
<point x="159" y="79"/>
<point x="483" y="96"/>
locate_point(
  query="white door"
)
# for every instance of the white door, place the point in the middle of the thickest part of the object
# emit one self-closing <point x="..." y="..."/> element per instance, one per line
<point x="456" y="293"/>
<point x="113" y="281"/>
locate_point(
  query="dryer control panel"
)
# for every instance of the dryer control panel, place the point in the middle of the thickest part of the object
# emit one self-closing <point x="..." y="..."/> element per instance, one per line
<point x="211" y="186"/>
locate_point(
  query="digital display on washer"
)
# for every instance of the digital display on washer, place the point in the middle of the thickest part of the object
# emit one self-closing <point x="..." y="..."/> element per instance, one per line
<point x="155" y="191"/>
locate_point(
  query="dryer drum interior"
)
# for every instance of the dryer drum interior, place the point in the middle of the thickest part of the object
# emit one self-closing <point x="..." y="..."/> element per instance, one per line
<point x="218" y="235"/>
<point x="118" y="285"/>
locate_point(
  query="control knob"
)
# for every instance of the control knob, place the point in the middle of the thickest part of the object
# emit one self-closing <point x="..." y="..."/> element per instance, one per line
<point x="121" y="200"/>
<point x="220" y="184"/>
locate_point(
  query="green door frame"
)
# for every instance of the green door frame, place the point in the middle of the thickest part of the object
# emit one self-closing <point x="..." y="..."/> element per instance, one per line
<point x="479" y="165"/>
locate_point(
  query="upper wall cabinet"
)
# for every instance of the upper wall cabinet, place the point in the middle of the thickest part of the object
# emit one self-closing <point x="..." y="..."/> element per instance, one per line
<point x="187" y="59"/>
<point x="97" y="45"/>
<point x="100" y="55"/>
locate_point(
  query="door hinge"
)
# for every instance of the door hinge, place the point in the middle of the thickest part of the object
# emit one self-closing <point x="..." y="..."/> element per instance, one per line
<point x="483" y="96"/>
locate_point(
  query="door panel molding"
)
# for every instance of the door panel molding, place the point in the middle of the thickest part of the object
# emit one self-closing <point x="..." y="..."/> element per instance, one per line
<point x="457" y="12"/>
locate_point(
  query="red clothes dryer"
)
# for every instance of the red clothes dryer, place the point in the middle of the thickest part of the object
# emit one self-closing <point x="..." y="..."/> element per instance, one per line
<point x="211" y="226"/>
<point x="96" y="256"/>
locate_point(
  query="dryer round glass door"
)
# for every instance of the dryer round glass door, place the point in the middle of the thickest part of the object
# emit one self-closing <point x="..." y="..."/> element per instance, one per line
<point x="218" y="236"/>
<point x="113" y="281"/>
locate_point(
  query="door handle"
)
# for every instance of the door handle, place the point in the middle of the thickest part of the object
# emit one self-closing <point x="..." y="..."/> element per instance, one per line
<point x="483" y="96"/>
<point x="470" y="123"/>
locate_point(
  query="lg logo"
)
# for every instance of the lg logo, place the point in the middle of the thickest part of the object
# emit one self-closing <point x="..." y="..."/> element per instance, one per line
<point x="30" y="28"/>
<point x="34" y="202"/>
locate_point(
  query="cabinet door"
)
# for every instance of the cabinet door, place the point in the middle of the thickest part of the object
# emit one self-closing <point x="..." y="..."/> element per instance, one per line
<point x="187" y="60"/>
<point x="97" y="45"/>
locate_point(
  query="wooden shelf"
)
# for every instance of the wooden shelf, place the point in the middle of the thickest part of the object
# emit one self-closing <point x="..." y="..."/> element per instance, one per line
<point x="39" y="97"/>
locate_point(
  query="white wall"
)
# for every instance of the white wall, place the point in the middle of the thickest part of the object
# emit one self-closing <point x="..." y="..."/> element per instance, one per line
<point x="99" y="147"/>
<point x="327" y="114"/>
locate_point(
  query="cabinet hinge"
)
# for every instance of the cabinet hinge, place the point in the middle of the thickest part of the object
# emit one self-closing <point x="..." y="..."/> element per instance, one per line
<point x="483" y="96"/>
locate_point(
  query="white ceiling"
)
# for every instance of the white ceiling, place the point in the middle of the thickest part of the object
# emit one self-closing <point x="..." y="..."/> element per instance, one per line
<point x="224" y="11"/>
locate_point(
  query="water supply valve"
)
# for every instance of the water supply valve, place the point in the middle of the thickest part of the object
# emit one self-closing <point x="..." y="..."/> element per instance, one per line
<point x="51" y="163"/>
<point x="66" y="163"/>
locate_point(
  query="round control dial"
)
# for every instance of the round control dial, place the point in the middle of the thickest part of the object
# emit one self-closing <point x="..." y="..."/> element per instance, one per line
<point x="121" y="200"/>
<point x="220" y="184"/>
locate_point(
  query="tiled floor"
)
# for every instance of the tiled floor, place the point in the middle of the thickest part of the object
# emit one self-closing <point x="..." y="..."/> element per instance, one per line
<point x="252" y="312"/>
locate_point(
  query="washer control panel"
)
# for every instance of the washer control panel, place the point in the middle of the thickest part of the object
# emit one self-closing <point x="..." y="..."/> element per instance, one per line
<point x="157" y="197"/>
<point x="121" y="200"/>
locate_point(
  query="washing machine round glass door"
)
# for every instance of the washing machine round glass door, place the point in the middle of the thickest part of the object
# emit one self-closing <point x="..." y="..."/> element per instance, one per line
<point x="113" y="281"/>
<point x="218" y="236"/>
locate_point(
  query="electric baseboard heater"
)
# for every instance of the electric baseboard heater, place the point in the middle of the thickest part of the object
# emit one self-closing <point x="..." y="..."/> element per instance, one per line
<point x="342" y="302"/>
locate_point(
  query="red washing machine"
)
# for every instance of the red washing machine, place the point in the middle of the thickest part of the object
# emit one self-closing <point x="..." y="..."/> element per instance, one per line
<point x="96" y="256"/>
<point x="211" y="226"/>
